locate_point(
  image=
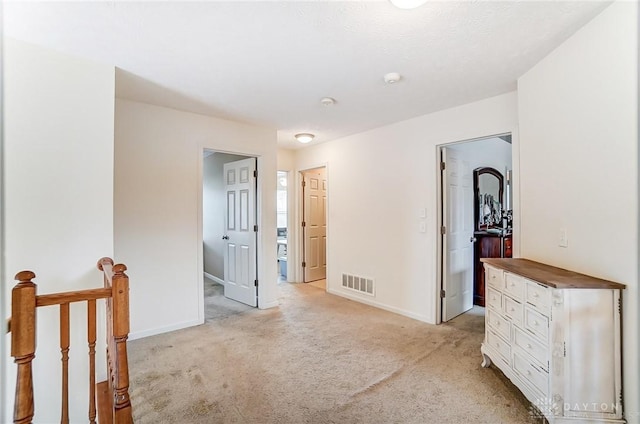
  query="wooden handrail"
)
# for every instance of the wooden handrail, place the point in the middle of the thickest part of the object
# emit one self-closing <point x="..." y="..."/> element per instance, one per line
<point x="72" y="296"/>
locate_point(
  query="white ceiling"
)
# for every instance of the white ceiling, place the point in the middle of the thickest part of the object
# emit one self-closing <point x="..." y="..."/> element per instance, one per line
<point x="270" y="62"/>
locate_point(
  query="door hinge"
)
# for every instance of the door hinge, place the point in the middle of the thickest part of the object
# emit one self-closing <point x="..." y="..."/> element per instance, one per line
<point x="304" y="264"/>
<point x="564" y="348"/>
<point x="255" y="173"/>
<point x="443" y="230"/>
<point x="443" y="166"/>
<point x="620" y="305"/>
<point x="443" y="293"/>
<point x="255" y="283"/>
<point x="255" y="228"/>
<point x="304" y="183"/>
<point x="304" y="224"/>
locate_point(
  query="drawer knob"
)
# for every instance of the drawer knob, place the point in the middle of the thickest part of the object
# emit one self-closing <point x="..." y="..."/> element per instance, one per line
<point x="511" y="309"/>
<point x="528" y="373"/>
<point x="535" y="322"/>
<point x="534" y="294"/>
<point x="528" y="346"/>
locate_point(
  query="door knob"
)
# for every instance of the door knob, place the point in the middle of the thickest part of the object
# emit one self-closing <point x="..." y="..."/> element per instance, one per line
<point x="473" y="239"/>
<point x="225" y="237"/>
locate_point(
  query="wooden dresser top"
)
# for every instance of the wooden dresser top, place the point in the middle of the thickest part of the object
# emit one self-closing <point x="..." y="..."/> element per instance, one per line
<point x="549" y="275"/>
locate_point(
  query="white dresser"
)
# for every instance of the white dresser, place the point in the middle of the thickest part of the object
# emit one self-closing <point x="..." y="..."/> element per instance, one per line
<point x="556" y="335"/>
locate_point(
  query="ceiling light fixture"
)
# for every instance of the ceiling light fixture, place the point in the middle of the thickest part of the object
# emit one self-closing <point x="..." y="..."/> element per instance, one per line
<point x="328" y="101"/>
<point x="392" y="77"/>
<point x="304" y="137"/>
<point x="407" y="4"/>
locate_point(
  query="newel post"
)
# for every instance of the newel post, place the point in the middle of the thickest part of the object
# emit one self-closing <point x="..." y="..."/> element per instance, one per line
<point x="23" y="343"/>
<point x="120" y="311"/>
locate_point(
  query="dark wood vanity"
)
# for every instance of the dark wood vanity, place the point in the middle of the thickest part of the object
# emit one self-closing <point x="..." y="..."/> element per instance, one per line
<point x="487" y="245"/>
<point x="492" y="235"/>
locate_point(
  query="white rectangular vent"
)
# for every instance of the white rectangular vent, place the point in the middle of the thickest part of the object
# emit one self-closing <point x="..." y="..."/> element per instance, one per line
<point x="359" y="284"/>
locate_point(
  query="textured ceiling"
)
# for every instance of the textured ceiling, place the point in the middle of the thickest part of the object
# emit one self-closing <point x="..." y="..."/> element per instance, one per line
<point x="270" y="62"/>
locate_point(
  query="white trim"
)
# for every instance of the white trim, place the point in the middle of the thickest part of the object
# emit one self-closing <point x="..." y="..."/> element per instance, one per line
<point x="166" y="329"/>
<point x="379" y="305"/>
<point x="268" y="305"/>
<point x="214" y="278"/>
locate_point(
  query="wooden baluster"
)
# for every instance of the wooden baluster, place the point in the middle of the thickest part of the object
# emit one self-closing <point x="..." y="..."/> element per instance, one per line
<point x="23" y="343"/>
<point x="64" y="349"/>
<point x="120" y="311"/>
<point x="91" y="339"/>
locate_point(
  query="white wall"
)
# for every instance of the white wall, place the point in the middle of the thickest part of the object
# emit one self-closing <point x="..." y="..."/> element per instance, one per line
<point x="492" y="152"/>
<point x="286" y="159"/>
<point x="158" y="196"/>
<point x="58" y="133"/>
<point x="213" y="207"/>
<point x="377" y="183"/>
<point x="579" y="163"/>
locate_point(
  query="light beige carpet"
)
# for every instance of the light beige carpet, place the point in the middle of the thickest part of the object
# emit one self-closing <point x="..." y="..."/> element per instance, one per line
<point x="318" y="358"/>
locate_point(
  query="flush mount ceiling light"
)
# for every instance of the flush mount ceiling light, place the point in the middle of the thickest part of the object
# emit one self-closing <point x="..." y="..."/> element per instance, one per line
<point x="407" y="4"/>
<point x="328" y="101"/>
<point x="304" y="137"/>
<point x="392" y="77"/>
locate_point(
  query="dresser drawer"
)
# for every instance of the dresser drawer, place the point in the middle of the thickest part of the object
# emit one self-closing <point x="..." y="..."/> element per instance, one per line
<point x="538" y="295"/>
<point x="495" y="277"/>
<point x="494" y="299"/>
<point x="499" y="324"/>
<point x="513" y="310"/>
<point x="531" y="346"/>
<point x="500" y="345"/>
<point x="532" y="374"/>
<point x="514" y="285"/>
<point x="536" y="323"/>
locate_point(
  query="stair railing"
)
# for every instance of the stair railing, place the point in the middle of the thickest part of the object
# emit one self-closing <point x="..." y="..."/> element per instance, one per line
<point x="113" y="403"/>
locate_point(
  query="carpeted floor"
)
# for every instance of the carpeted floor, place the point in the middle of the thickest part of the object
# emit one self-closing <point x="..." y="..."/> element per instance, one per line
<point x="318" y="358"/>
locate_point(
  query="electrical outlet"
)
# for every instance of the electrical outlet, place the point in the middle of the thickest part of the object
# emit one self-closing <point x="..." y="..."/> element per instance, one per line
<point x="422" y="227"/>
<point x="563" y="240"/>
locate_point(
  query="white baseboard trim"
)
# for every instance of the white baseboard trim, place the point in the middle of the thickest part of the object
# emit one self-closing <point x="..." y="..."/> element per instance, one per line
<point x="166" y="329"/>
<point x="214" y="278"/>
<point x="267" y="305"/>
<point x="379" y="305"/>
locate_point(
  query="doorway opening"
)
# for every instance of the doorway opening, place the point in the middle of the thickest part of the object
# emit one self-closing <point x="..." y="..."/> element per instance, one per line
<point x="229" y="232"/>
<point x="314" y="226"/>
<point x="475" y="219"/>
<point x="282" y="216"/>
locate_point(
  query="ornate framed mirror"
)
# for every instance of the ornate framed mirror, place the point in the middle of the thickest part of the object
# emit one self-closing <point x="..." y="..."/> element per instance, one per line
<point x="488" y="191"/>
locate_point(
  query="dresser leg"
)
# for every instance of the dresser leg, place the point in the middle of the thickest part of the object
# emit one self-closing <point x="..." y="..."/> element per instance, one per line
<point x="486" y="361"/>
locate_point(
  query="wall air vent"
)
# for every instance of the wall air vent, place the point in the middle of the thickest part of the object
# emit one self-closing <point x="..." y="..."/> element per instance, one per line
<point x="359" y="284"/>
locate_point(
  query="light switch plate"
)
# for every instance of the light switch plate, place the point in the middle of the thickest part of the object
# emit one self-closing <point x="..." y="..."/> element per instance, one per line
<point x="423" y="212"/>
<point x="563" y="240"/>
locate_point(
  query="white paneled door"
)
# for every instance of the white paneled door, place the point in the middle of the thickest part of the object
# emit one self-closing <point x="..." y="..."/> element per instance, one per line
<point x="314" y="186"/>
<point x="457" y="242"/>
<point x="240" y="259"/>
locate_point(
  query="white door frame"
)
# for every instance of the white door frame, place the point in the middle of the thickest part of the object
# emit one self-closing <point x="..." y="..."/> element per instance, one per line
<point x="299" y="236"/>
<point x="515" y="189"/>
<point x="259" y="250"/>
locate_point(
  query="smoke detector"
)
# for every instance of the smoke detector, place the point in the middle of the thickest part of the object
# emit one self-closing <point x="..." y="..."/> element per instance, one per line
<point x="392" y="77"/>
